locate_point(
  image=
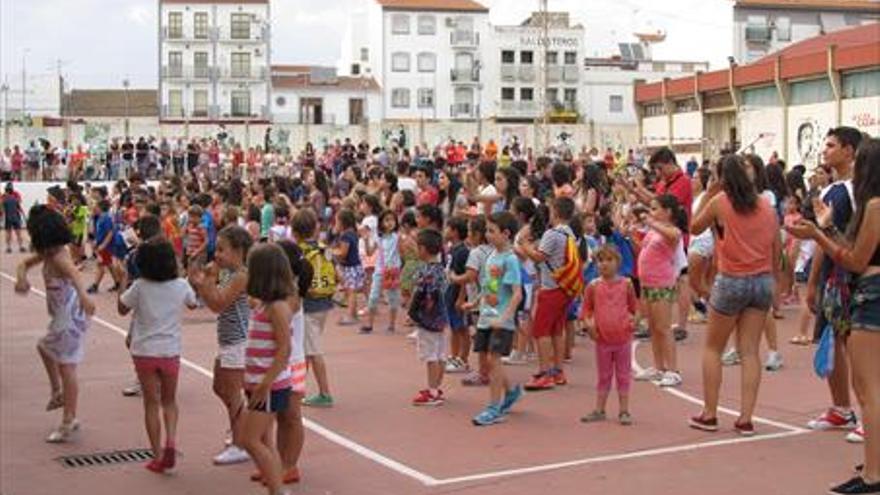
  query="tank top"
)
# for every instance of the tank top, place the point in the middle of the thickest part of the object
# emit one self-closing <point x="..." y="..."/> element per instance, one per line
<point x="746" y="246"/>
<point x="232" y="322"/>
<point x="260" y="353"/>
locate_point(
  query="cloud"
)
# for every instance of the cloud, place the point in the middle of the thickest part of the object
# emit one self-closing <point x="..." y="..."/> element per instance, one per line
<point x="140" y="15"/>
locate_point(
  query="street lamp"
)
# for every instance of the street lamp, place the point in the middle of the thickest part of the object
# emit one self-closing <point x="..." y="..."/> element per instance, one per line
<point x="125" y="84"/>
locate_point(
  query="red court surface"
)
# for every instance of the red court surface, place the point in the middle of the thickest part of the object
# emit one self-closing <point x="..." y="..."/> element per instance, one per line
<point x="374" y="442"/>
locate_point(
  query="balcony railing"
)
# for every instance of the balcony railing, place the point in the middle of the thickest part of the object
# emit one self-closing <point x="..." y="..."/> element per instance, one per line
<point x="188" y="36"/>
<point x="261" y="112"/>
<point x="188" y="72"/>
<point x="511" y="108"/>
<point x="245" y="73"/>
<point x="508" y="72"/>
<point x="464" y="39"/>
<point x="462" y="110"/>
<point x="254" y="35"/>
<point x="464" y="75"/>
<point x="571" y="73"/>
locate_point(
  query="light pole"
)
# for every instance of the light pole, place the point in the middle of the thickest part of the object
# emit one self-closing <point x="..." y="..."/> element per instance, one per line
<point x="5" y="89"/>
<point x="24" y="84"/>
<point x="125" y="84"/>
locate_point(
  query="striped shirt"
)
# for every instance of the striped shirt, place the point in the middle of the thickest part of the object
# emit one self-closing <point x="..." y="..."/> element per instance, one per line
<point x="232" y="322"/>
<point x="196" y="237"/>
<point x="260" y="354"/>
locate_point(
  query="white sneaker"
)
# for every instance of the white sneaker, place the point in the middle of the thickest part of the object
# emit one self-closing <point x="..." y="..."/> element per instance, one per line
<point x="670" y="379"/>
<point x="132" y="390"/>
<point x="231" y="455"/>
<point x="730" y="358"/>
<point x="648" y="374"/>
<point x="774" y="361"/>
<point x="857" y="435"/>
<point x="413" y="335"/>
<point x="514" y="359"/>
<point x="63" y="433"/>
<point x="833" y="419"/>
<point x="456" y="365"/>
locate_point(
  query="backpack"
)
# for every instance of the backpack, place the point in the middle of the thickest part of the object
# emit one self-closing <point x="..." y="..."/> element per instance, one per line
<point x="324" y="272"/>
<point x="570" y="275"/>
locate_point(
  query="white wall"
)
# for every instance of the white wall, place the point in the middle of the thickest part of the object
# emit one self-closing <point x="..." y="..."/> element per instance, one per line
<point x="687" y="127"/>
<point x="655" y="130"/>
<point x="862" y="113"/>
<point x="767" y="121"/>
<point x="335" y="104"/>
<point x="807" y="126"/>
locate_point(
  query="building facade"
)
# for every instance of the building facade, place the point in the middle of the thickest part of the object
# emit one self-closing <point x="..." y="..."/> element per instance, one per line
<point x="214" y="59"/>
<point x="317" y="96"/>
<point x="762" y="27"/>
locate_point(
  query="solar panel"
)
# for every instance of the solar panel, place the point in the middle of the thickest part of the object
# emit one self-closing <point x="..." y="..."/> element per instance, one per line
<point x="637" y="51"/>
<point x="625" y="51"/>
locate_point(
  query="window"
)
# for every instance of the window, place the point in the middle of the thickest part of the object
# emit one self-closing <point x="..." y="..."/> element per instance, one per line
<point x="400" y="62"/>
<point x="240" y="26"/>
<point x="570" y="95"/>
<point x="525" y="57"/>
<point x="200" y="103"/>
<point x="526" y="94"/>
<point x="571" y="58"/>
<point x="861" y="84"/>
<point x="552" y="95"/>
<point x="400" y="98"/>
<point x="241" y="103"/>
<point x="200" y="64"/>
<point x="686" y="105"/>
<point x="355" y="69"/>
<point x="767" y="96"/>
<point x="783" y="28"/>
<point x="400" y="24"/>
<point x="427" y="62"/>
<point x="175" y="25"/>
<point x="815" y="91"/>
<point x="552" y="58"/>
<point x="175" y="103"/>
<point x="175" y="64"/>
<point x="652" y="110"/>
<point x="427" y="24"/>
<point x="658" y="66"/>
<point x="615" y="104"/>
<point x="365" y="54"/>
<point x="508" y="57"/>
<point x="241" y="64"/>
<point x="426" y="98"/>
<point x="508" y="94"/>
<point x="201" y="25"/>
<point x="757" y="29"/>
<point x="687" y="67"/>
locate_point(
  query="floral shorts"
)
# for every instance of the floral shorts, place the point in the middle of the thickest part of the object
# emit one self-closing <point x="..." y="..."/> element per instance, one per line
<point x="654" y="294"/>
<point x="353" y="277"/>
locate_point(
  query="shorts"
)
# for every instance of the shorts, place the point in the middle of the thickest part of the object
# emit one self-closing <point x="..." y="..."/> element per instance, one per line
<point x="523" y="311"/>
<point x="550" y="313"/>
<point x="654" y="294"/>
<point x="733" y="295"/>
<point x="431" y="345"/>
<point x="105" y="258"/>
<point x="458" y="321"/>
<point x="231" y="356"/>
<point x="314" y="328"/>
<point x="376" y="290"/>
<point x="493" y="340"/>
<point x="702" y="246"/>
<point x="168" y="366"/>
<point x="298" y="372"/>
<point x="574" y="309"/>
<point x="865" y="305"/>
<point x="276" y="402"/>
<point x="12" y="223"/>
<point x="353" y="277"/>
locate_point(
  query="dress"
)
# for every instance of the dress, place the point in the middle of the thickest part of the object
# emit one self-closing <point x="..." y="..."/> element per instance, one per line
<point x="65" y="339"/>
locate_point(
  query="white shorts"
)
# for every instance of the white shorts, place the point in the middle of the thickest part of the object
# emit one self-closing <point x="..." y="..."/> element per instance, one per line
<point x="702" y="245"/>
<point x="314" y="327"/>
<point x="432" y="346"/>
<point x="231" y="357"/>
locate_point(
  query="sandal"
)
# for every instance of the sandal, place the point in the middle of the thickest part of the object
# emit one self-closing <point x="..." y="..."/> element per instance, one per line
<point x="593" y="417"/>
<point x="55" y="402"/>
<point x="625" y="419"/>
<point x="62" y="433"/>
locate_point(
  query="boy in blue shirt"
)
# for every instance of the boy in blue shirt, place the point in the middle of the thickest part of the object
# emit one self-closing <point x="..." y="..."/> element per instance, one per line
<point x="500" y="294"/>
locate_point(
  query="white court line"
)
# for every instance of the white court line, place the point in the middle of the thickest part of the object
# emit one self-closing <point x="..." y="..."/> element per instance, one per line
<point x="428" y="480"/>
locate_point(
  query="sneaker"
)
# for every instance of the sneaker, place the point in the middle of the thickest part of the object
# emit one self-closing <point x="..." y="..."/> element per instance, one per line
<point x="559" y="378"/>
<point x="745" y="429"/>
<point x="730" y="358"/>
<point x="22" y="249"/>
<point x="63" y="433"/>
<point x="365" y="330"/>
<point x="857" y="435"/>
<point x="426" y="398"/>
<point x="625" y="419"/>
<point x="414" y="335"/>
<point x="456" y="365"/>
<point x="856" y="485"/>
<point x="514" y="359"/>
<point x="132" y="390"/>
<point x="541" y="381"/>
<point x="593" y="417"/>
<point x="670" y="379"/>
<point x="474" y="379"/>
<point x="511" y="397"/>
<point x="231" y="455"/>
<point x="318" y="400"/>
<point x="648" y="374"/>
<point x="832" y="419"/>
<point x="169" y="458"/>
<point x="774" y="361"/>
<point x="704" y="424"/>
<point x="489" y="416"/>
<point x="679" y="333"/>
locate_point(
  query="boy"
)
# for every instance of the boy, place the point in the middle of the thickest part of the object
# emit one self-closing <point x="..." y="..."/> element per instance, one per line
<point x="500" y="294"/>
<point x="428" y="311"/>
<point x="196" y="238"/>
<point x="105" y="239"/>
<point x="479" y="252"/>
<point x="460" y="338"/>
<point x="13" y="217"/>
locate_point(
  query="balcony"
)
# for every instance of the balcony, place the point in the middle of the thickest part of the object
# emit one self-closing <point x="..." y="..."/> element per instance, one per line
<point x="464" y="76"/>
<point x="511" y="109"/>
<point x="565" y="112"/>
<point x="464" y="39"/>
<point x="508" y="72"/>
<point x="571" y="74"/>
<point x="554" y="74"/>
<point x="527" y="73"/>
<point x="244" y="74"/>
<point x="189" y="72"/>
<point x="253" y="35"/>
<point x="261" y="113"/>
<point x="462" y="111"/>
<point x="168" y="112"/>
<point x="757" y="33"/>
<point x="184" y="36"/>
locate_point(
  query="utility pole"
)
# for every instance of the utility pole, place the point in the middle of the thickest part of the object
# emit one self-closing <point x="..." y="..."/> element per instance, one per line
<point x="125" y="85"/>
<point x="545" y="108"/>
<point x="24" y="85"/>
<point x="5" y="89"/>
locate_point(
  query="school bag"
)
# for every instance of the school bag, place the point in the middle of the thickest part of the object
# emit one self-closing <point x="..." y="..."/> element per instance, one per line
<point x="324" y="278"/>
<point x="427" y="309"/>
<point x="570" y="275"/>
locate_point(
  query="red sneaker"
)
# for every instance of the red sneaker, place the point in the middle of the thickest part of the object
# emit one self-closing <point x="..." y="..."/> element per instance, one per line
<point x="155" y="466"/>
<point x="169" y="458"/>
<point x="702" y="423"/>
<point x="541" y="381"/>
<point x="426" y="398"/>
<point x="559" y="378"/>
<point x="745" y="429"/>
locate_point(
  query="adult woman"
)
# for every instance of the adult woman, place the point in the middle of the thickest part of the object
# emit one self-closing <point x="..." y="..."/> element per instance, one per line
<point x="748" y="252"/>
<point x="591" y="189"/>
<point x="450" y="202"/>
<point x="859" y="252"/>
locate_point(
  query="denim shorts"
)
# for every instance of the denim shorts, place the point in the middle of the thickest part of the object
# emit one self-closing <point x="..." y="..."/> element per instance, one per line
<point x="733" y="295"/>
<point x="865" y="305"/>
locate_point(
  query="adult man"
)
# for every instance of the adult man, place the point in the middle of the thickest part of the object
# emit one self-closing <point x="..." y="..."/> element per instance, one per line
<point x="838" y="153"/>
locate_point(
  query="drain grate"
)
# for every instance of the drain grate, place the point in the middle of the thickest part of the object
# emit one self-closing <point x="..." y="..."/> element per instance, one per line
<point x="105" y="458"/>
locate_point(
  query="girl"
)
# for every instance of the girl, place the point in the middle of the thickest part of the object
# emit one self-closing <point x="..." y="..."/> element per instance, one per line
<point x="610" y="301"/>
<point x="267" y="378"/>
<point x="410" y="254"/>
<point x="346" y="253"/>
<point x="281" y="230"/>
<point x="252" y="225"/>
<point x="196" y="238"/>
<point x="657" y="274"/>
<point x="792" y="246"/>
<point x="525" y="211"/>
<point x="229" y="301"/>
<point x="63" y="346"/>
<point x="157" y="298"/>
<point x="387" y="275"/>
<point x="369" y="207"/>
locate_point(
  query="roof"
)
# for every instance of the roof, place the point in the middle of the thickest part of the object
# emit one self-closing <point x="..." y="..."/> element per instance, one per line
<point x="835" y="5"/>
<point x="841" y="38"/>
<point x="345" y="83"/>
<point x="237" y="2"/>
<point x="110" y="103"/>
<point x="434" y="5"/>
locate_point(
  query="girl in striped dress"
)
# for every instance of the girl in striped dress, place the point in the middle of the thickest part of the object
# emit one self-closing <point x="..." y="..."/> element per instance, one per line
<point x="267" y="378"/>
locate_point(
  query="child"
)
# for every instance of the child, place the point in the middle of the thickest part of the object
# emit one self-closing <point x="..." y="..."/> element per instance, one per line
<point x="477" y="256"/>
<point x="196" y="238"/>
<point x="369" y="207"/>
<point x="531" y="223"/>
<point x="170" y="228"/>
<point x="657" y="274"/>
<point x="107" y="241"/>
<point x="79" y="213"/>
<point x="460" y="337"/>
<point x="387" y="273"/>
<point x="13" y="213"/>
<point x="267" y="378"/>
<point x="610" y="302"/>
<point x="229" y="301"/>
<point x="410" y="253"/>
<point x="428" y="310"/>
<point x="500" y="294"/>
<point x="281" y="230"/>
<point x="792" y="251"/>
<point x="63" y="346"/>
<point x="346" y="253"/>
<point x="157" y="299"/>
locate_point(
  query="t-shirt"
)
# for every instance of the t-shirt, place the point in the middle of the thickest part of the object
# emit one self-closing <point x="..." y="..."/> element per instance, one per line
<point x="488" y="190"/>
<point x="612" y="304"/>
<point x="552" y="245"/>
<point x="12" y="206"/>
<point x="80" y="220"/>
<point x="103" y="228"/>
<point x="352" y="258"/>
<point x="657" y="267"/>
<point x="158" y="310"/>
<point x="389" y="252"/>
<point x="428" y="196"/>
<point x="457" y="264"/>
<point x="500" y="276"/>
<point x="406" y="184"/>
<point x="267" y="218"/>
<point x="476" y="259"/>
<point x="232" y="322"/>
<point x="428" y="303"/>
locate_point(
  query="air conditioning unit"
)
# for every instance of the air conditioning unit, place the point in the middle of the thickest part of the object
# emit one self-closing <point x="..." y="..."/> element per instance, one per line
<point x="450" y="22"/>
<point x="254" y="18"/>
<point x="258" y="52"/>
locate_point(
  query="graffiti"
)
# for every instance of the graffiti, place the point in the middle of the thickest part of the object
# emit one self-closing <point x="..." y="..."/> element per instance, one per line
<point x="809" y="136"/>
<point x="864" y="119"/>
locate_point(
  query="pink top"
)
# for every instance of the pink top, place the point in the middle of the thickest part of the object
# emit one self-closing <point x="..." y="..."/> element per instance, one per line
<point x="613" y="314"/>
<point x="260" y="354"/>
<point x="790" y="220"/>
<point x="657" y="261"/>
<point x="745" y="245"/>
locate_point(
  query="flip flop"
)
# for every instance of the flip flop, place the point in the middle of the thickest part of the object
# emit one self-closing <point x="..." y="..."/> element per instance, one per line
<point x="56" y="402"/>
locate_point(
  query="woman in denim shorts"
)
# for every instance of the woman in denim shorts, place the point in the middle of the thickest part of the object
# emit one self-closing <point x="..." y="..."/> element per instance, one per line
<point x="858" y="251"/>
<point x="748" y="250"/>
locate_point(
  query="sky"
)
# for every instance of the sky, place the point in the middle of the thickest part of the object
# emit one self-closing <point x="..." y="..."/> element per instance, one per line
<point x="99" y="43"/>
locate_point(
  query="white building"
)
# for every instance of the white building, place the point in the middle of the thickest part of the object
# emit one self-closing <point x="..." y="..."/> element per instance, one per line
<point x="317" y="96"/>
<point x="425" y="54"/>
<point x="765" y="26"/>
<point x="214" y="58"/>
<point x="515" y="62"/>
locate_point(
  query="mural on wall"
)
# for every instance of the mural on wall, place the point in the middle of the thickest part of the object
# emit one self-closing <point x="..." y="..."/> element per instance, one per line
<point x="808" y="142"/>
<point x="514" y="135"/>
